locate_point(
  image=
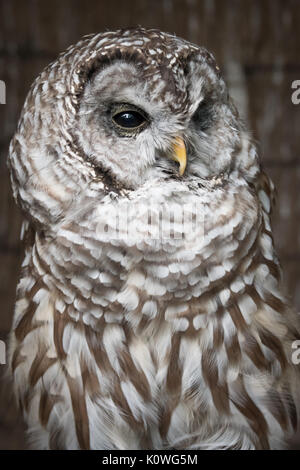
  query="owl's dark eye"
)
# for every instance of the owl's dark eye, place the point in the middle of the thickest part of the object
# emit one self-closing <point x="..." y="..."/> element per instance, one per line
<point x="128" y="118"/>
<point x="203" y="116"/>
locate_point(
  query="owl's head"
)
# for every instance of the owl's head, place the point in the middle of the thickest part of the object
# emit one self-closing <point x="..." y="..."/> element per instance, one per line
<point x="155" y="106"/>
<point x="124" y="108"/>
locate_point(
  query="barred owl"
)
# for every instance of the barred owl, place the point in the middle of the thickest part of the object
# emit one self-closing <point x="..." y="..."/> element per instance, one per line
<point x="149" y="312"/>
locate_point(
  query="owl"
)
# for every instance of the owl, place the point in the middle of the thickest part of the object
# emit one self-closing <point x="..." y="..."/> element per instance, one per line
<point x="150" y="312"/>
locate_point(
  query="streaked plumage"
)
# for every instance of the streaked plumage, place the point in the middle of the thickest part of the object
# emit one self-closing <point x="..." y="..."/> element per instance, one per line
<point x="146" y="342"/>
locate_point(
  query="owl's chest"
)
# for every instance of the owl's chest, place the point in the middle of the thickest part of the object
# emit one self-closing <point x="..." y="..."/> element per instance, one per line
<point x="148" y="284"/>
<point x="140" y="335"/>
<point x="144" y="262"/>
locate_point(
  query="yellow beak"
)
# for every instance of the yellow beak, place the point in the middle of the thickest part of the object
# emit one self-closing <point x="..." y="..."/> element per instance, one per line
<point x="179" y="154"/>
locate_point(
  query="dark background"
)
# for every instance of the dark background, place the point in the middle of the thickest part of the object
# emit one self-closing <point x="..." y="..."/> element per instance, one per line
<point x="257" y="46"/>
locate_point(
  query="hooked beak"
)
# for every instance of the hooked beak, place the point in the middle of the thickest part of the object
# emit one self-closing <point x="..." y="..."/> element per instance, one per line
<point x="179" y="154"/>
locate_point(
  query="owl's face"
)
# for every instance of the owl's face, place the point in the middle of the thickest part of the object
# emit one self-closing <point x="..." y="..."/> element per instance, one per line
<point x="156" y="114"/>
<point x="122" y="109"/>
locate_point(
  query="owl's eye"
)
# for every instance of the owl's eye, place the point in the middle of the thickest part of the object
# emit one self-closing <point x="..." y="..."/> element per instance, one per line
<point x="203" y="116"/>
<point x="129" y="119"/>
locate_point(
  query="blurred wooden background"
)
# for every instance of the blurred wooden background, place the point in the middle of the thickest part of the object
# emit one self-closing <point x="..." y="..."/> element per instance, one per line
<point x="257" y="45"/>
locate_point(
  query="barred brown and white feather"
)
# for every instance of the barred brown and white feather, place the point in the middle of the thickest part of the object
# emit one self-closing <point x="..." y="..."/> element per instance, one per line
<point x="136" y="338"/>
